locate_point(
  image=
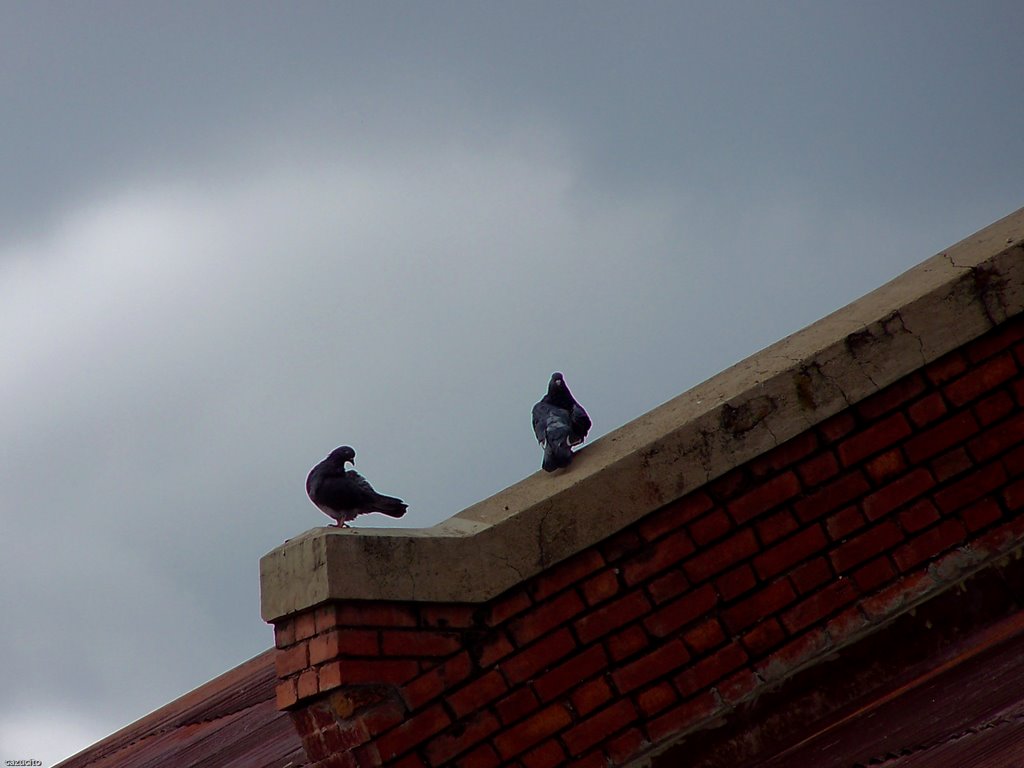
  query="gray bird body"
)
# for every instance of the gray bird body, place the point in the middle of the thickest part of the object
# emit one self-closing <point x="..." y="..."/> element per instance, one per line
<point x="559" y="423"/>
<point x="344" y="494"/>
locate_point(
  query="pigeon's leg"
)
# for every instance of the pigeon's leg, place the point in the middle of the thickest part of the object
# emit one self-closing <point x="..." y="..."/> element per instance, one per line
<point x="340" y="524"/>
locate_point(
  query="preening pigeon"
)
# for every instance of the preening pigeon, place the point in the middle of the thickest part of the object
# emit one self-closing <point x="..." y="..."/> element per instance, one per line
<point x="344" y="494"/>
<point x="559" y="423"/>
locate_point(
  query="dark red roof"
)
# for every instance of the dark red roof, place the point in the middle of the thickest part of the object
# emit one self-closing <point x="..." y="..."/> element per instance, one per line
<point x="230" y="722"/>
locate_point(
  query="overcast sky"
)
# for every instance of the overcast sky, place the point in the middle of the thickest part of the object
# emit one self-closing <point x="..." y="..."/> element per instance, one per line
<point x="234" y="236"/>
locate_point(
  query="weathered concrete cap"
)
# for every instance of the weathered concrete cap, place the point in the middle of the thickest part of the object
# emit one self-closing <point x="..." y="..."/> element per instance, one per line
<point x="729" y="419"/>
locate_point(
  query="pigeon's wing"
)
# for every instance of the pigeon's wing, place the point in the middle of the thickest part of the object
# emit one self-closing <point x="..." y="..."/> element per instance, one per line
<point x="360" y="486"/>
<point x="579" y="423"/>
<point x="541" y="411"/>
<point x="373" y="501"/>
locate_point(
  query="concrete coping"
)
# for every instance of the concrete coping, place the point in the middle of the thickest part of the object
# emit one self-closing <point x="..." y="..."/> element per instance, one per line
<point x="731" y="418"/>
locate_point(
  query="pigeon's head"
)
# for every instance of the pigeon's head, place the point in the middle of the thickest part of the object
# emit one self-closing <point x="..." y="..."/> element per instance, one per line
<point x="557" y="383"/>
<point x="341" y="455"/>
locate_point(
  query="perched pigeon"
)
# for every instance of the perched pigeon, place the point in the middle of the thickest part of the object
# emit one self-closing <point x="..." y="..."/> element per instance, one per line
<point x="559" y="423"/>
<point x="343" y="494"/>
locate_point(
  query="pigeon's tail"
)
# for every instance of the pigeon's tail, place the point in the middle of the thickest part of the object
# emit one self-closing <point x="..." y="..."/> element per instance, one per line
<point x="557" y="453"/>
<point x="389" y="505"/>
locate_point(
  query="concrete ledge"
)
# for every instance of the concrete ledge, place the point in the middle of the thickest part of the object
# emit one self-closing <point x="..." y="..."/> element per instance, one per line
<point x="722" y="423"/>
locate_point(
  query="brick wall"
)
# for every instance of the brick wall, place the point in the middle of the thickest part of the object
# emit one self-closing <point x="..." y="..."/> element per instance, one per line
<point x="678" y="619"/>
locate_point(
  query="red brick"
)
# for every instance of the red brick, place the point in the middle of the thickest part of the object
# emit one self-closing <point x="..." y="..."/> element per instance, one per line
<point x="1014" y="462"/>
<point x="421" y="642"/>
<point x="891" y="397"/>
<point x="762" y="603"/>
<point x="447" y="615"/>
<point x="837" y="426"/>
<point x="471" y="732"/>
<point x="483" y="756"/>
<point x="675" y="515"/>
<point x="764" y="636"/>
<point x="1018" y="386"/>
<point x="593" y="759"/>
<point x="305" y="625"/>
<point x="566" y="573"/>
<point x="818" y="469"/>
<point x="819" y="605"/>
<point x="810" y="575"/>
<point x="1014" y="495"/>
<point x="994" y="341"/>
<point x="981" y="514"/>
<point x="950" y="464"/>
<point x="793" y="655"/>
<point x="993" y="408"/>
<point x="656" y="698"/>
<point x="330" y="676"/>
<point x="702" y="674"/>
<point x="545" y="617"/>
<point x="918" y="516"/>
<point x="366" y="671"/>
<point x="657" y="557"/>
<point x="613" y="615"/>
<point x="898" y="594"/>
<point x="775" y="526"/>
<point x="413" y="731"/>
<point x="872" y="542"/>
<point x="874" y="439"/>
<point x="929" y="544"/>
<point x="738" y="686"/>
<point x="627" y="642"/>
<point x="874" y="574"/>
<point x="590" y="696"/>
<point x="663" y="588"/>
<point x="981" y="379"/>
<point x="998" y="439"/>
<point x="946" y="367"/>
<point x="434" y="682"/>
<point x="494" y="648"/>
<point x="621" y="545"/>
<point x="532" y="730"/>
<point x="846" y="625"/>
<point x="715" y="560"/>
<point x="537" y="657"/>
<point x="473" y="696"/>
<point x="659" y="662"/>
<point x="943" y="435"/>
<point x="927" y="409"/>
<point x="382" y="717"/>
<point x="885" y="465"/>
<point x="710" y="527"/>
<point x="517" y="705"/>
<point x="570" y="673"/>
<point x="292" y="660"/>
<point x="546" y="755"/>
<point x="328" y="646"/>
<point x="784" y="455"/>
<point x="844" y="522"/>
<point x="671" y="616"/>
<point x="598" y="726"/>
<point x="364" y="613"/>
<point x="507" y="606"/>
<point x="832" y="496"/>
<point x="789" y="552"/>
<point x="599" y="588"/>
<point x="704" y="636"/>
<point x="286" y="694"/>
<point x="897" y="493"/>
<point x="683" y="717"/>
<point x="736" y="582"/>
<point x="767" y="495"/>
<point x="729" y="485"/>
<point x="971" y="488"/>
<point x="624" y="746"/>
<point x="284" y="634"/>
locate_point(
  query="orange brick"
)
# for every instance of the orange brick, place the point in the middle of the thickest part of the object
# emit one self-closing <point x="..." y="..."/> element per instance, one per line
<point x="538" y="656"/>
<point x="546" y="616"/>
<point x="288" y="662"/>
<point x="886" y="465"/>
<point x="412" y="732"/>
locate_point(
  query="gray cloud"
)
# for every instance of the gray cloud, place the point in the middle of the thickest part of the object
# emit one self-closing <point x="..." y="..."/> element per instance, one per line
<point x="235" y="239"/>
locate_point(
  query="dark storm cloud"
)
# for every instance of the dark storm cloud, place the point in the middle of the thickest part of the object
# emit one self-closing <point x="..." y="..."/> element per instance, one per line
<point x="233" y="238"/>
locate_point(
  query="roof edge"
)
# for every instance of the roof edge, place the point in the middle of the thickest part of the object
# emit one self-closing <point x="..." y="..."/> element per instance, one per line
<point x="757" y="404"/>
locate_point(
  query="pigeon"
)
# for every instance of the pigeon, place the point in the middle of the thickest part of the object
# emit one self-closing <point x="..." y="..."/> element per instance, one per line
<point x="559" y="423"/>
<point x="344" y="494"/>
